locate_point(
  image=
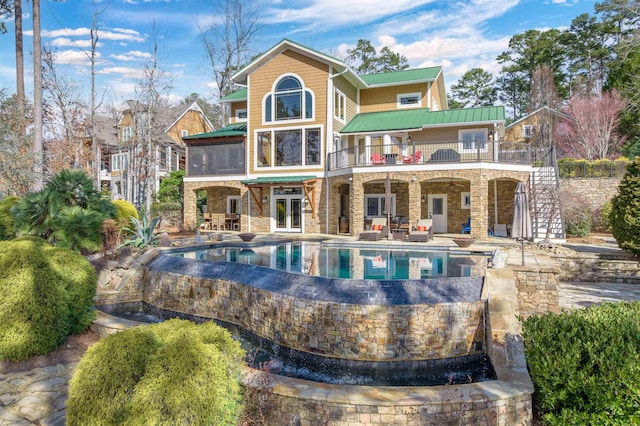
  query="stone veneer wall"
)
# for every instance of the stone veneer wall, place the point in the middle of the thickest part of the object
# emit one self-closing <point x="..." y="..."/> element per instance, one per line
<point x="537" y="290"/>
<point x="597" y="269"/>
<point x="335" y="329"/>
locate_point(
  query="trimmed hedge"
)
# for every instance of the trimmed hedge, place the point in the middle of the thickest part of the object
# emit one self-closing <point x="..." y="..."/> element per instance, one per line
<point x="585" y="364"/>
<point x="174" y="372"/>
<point x="580" y="168"/>
<point x="7" y="231"/>
<point x="45" y="293"/>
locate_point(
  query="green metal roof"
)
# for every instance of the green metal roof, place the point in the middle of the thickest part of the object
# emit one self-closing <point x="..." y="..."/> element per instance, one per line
<point x="235" y="129"/>
<point x="411" y="119"/>
<point x="406" y="76"/>
<point x="408" y="119"/>
<point x="238" y="95"/>
<point x="465" y="115"/>
<point x="277" y="179"/>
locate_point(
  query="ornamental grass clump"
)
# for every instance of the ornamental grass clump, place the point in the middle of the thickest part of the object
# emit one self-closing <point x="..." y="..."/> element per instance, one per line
<point x="584" y="364"/>
<point x="174" y="372"/>
<point x="45" y="293"/>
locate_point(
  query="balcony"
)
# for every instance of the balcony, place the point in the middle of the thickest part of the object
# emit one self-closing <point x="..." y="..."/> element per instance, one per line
<point x="431" y="153"/>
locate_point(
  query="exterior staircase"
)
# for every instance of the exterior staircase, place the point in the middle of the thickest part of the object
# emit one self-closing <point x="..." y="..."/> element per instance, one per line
<point x="544" y="187"/>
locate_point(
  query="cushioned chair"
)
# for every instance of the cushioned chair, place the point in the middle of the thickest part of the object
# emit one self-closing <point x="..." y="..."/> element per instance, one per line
<point x="377" y="159"/>
<point x="378" y="230"/>
<point x="466" y="227"/>
<point x="423" y="231"/>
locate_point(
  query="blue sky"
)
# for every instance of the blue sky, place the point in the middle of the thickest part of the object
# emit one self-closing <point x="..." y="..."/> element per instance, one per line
<point x="458" y="35"/>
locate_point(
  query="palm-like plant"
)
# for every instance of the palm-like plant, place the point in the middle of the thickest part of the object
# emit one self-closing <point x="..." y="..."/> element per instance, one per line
<point x="143" y="233"/>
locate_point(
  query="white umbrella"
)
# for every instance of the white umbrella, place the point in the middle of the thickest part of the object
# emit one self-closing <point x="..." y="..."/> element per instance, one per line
<point x="521" y="227"/>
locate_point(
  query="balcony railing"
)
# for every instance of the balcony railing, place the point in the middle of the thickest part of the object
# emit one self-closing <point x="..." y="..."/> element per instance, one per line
<point x="431" y="153"/>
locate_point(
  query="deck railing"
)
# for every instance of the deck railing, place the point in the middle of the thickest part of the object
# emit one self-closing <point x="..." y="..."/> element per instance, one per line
<point x="431" y="153"/>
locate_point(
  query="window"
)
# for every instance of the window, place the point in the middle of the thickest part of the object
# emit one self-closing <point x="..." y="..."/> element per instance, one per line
<point x="222" y="158"/>
<point x="241" y="114"/>
<point x="127" y="133"/>
<point x="119" y="161"/>
<point x="233" y="204"/>
<point x="374" y="205"/>
<point x="409" y="100"/>
<point x="287" y="148"/>
<point x="288" y="101"/>
<point x="473" y="140"/>
<point x="434" y="104"/>
<point x="465" y="201"/>
<point x="184" y="133"/>
<point x="527" y="130"/>
<point x="339" y="105"/>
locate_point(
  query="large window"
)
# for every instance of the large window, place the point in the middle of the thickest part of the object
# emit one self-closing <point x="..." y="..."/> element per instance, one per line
<point x="119" y="161"/>
<point x="290" y="100"/>
<point x="216" y="159"/>
<point x="286" y="148"/>
<point x="473" y="140"/>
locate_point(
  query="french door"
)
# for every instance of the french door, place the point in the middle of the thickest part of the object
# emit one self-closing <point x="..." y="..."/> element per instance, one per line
<point x="288" y="209"/>
<point x="438" y="212"/>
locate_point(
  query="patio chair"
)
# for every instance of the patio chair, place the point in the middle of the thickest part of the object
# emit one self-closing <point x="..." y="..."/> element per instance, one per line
<point x="378" y="230"/>
<point x="466" y="227"/>
<point x="423" y="232"/>
<point x="377" y="159"/>
<point x="415" y="158"/>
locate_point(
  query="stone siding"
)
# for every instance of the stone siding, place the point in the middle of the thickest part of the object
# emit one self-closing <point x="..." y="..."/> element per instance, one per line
<point x="120" y="280"/>
<point x="537" y="291"/>
<point x="335" y="329"/>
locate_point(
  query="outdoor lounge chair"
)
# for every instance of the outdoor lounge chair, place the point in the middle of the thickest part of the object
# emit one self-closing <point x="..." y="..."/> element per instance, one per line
<point x="415" y="158"/>
<point x="423" y="232"/>
<point x="377" y="159"/>
<point x="378" y="230"/>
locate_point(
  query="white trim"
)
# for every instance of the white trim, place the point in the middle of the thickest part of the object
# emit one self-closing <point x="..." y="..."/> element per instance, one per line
<point x="238" y="118"/>
<point x="527" y="130"/>
<point x="417" y="95"/>
<point x="303" y="88"/>
<point x="463" y="200"/>
<point x="238" y="203"/>
<point x="463" y="150"/>
<point x="343" y="104"/>
<point x="272" y="130"/>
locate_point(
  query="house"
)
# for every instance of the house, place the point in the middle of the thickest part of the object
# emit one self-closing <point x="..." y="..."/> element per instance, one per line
<point x="127" y="139"/>
<point x="538" y="128"/>
<point x="313" y="147"/>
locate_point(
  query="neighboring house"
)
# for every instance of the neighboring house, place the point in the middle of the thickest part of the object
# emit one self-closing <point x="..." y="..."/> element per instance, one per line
<point x="313" y="147"/>
<point x="126" y="161"/>
<point x="538" y="128"/>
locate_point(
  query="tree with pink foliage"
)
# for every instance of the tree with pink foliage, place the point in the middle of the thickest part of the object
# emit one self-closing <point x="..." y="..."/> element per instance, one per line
<point x="591" y="132"/>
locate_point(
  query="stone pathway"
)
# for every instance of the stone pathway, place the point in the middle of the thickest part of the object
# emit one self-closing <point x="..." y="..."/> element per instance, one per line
<point x="581" y="295"/>
<point x="35" y="397"/>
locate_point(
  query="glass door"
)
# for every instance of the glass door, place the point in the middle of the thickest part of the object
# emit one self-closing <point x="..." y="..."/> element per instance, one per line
<point x="288" y="209"/>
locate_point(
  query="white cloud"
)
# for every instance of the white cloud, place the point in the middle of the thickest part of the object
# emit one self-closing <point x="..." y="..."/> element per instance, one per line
<point x="66" y="42"/>
<point x="116" y="34"/>
<point x="126" y="72"/>
<point x="74" y="57"/>
<point x="132" y="55"/>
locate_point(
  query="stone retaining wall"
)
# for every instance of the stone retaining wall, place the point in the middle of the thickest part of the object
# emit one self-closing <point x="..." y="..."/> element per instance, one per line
<point x="119" y="280"/>
<point x="597" y="269"/>
<point x="537" y="290"/>
<point x="334" y="329"/>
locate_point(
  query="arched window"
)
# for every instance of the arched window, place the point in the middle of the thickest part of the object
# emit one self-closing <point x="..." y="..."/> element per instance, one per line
<point x="289" y="101"/>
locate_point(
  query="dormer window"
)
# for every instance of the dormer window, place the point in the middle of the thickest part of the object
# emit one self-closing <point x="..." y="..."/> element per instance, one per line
<point x="288" y="101"/>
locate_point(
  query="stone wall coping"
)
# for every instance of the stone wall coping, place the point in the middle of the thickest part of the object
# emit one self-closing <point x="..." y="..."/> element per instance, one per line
<point x="321" y="289"/>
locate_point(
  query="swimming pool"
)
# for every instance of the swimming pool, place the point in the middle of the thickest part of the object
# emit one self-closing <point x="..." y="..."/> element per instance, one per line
<point x="375" y="263"/>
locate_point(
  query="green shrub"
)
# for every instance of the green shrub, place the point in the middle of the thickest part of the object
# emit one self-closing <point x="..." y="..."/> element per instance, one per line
<point x="45" y="293"/>
<point x="577" y="216"/>
<point x="6" y="218"/>
<point x="174" y="372"/>
<point x="584" y="364"/>
<point x="625" y="210"/>
<point x="124" y="212"/>
<point x="603" y="217"/>
<point x="68" y="212"/>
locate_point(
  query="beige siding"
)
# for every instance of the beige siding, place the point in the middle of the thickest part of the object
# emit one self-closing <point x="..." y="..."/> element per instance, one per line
<point x="235" y="106"/>
<point x="314" y="75"/>
<point x="193" y="122"/>
<point x="351" y="93"/>
<point x="386" y="98"/>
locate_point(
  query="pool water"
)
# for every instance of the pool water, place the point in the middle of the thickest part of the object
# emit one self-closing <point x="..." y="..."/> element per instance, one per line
<point x="317" y="259"/>
<point x="271" y="357"/>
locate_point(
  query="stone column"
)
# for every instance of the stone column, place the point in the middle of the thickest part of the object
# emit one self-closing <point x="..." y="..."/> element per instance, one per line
<point x="415" y="202"/>
<point x="356" y="207"/>
<point x="189" y="214"/>
<point x="479" y="187"/>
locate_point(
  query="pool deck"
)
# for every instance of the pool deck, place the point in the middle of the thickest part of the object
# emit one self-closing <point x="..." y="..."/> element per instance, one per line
<point x="37" y="397"/>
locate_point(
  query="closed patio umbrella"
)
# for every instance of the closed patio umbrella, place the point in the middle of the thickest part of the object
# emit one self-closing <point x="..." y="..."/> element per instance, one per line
<point x="521" y="227"/>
